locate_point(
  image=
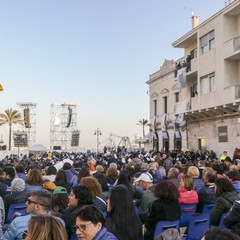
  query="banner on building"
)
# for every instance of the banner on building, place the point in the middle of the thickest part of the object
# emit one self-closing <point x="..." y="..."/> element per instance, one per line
<point x="181" y="78"/>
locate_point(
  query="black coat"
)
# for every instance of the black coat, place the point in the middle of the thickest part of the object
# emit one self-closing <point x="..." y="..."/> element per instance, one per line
<point x="232" y="219"/>
<point x="161" y="210"/>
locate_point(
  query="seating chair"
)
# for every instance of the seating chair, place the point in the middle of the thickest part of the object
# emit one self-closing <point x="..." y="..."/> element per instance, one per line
<point x="163" y="225"/>
<point x="198" y="224"/>
<point x="186" y="212"/>
<point x="221" y="225"/>
<point x="19" y="208"/>
<point x="208" y="207"/>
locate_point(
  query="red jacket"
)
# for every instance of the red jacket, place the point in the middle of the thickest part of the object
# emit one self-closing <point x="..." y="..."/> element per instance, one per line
<point x="187" y="197"/>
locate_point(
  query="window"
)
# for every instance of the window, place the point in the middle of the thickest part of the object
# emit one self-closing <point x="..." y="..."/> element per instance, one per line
<point x="237" y="91"/>
<point x="155" y="107"/>
<point x="194" y="90"/>
<point x="193" y="53"/>
<point x="176" y="97"/>
<point x="208" y="84"/>
<point x="165" y="104"/>
<point x="207" y="42"/>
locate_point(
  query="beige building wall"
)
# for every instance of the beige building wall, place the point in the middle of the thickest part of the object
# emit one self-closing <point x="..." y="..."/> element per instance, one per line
<point x="205" y="113"/>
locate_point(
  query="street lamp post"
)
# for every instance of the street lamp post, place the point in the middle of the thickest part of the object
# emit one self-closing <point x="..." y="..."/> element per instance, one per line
<point x="97" y="132"/>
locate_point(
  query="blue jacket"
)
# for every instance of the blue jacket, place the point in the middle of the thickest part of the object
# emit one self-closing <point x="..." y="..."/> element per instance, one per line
<point x="103" y="234"/>
<point x="18" y="226"/>
<point x="236" y="185"/>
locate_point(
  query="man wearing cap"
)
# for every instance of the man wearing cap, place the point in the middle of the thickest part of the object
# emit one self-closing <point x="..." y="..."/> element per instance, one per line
<point x="146" y="182"/>
<point x="39" y="203"/>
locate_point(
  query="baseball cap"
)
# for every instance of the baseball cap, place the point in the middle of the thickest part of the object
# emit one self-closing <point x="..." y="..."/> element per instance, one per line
<point x="146" y="177"/>
<point x="59" y="190"/>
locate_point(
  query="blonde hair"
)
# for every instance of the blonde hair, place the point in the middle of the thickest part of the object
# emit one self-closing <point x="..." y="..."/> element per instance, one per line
<point x="188" y="183"/>
<point x="34" y="177"/>
<point x="45" y="227"/>
<point x="193" y="171"/>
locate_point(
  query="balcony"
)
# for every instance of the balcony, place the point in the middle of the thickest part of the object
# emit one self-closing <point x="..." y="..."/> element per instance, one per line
<point x="232" y="49"/>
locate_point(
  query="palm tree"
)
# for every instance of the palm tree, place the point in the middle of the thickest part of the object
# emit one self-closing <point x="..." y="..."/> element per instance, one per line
<point x="11" y="117"/>
<point x="143" y="122"/>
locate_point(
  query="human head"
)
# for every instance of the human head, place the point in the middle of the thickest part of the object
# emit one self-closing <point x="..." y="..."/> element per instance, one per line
<point x="217" y="233"/>
<point x="112" y="172"/>
<point x="233" y="176"/>
<point x="51" y="170"/>
<point x="8" y="173"/>
<point x="79" y="195"/>
<point x="209" y="176"/>
<point x="19" y="168"/>
<point x="39" y="202"/>
<point x="193" y="171"/>
<point x="93" y="184"/>
<point x="145" y="180"/>
<point x="223" y="185"/>
<point x="89" y="222"/>
<point x="83" y="172"/>
<point x="173" y="172"/>
<point x="187" y="182"/>
<point x="102" y="179"/>
<point x="34" y="177"/>
<point x="99" y="169"/>
<point x="45" y="227"/>
<point x="120" y="201"/>
<point x="17" y="185"/>
<point x="166" y="190"/>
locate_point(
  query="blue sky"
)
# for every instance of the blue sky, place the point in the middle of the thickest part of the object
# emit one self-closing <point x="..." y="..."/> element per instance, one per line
<point x="98" y="54"/>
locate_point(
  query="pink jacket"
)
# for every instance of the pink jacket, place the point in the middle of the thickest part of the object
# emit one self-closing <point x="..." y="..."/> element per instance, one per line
<point x="187" y="197"/>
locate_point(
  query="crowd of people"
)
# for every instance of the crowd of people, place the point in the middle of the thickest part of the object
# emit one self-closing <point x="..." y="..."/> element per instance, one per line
<point x="115" y="195"/>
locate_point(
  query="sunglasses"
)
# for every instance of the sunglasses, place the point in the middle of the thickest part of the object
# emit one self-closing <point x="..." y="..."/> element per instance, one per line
<point x="81" y="227"/>
<point x="29" y="201"/>
<point x="24" y="234"/>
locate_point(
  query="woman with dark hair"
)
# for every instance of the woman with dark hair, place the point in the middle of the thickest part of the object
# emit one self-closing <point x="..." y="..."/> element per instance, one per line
<point x="90" y="225"/>
<point x="79" y="197"/>
<point x="122" y="219"/>
<point x="225" y="197"/>
<point x="84" y="172"/>
<point x="103" y="182"/>
<point x="166" y="207"/>
<point x="61" y="180"/>
<point x="217" y="233"/>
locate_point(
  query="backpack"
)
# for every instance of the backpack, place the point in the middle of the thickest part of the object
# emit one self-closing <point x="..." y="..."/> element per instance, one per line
<point x="169" y="234"/>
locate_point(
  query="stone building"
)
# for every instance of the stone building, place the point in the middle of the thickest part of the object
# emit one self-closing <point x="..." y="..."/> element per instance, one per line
<point x="194" y="101"/>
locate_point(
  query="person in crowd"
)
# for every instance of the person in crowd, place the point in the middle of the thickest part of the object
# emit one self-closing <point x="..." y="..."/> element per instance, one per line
<point x="112" y="175"/>
<point x="80" y="196"/>
<point x="17" y="195"/>
<point x="90" y="225"/>
<point x="122" y="219"/>
<point x="34" y="181"/>
<point x="20" y="171"/>
<point x="38" y="203"/>
<point x="166" y="207"/>
<point x="232" y="219"/>
<point x="59" y="201"/>
<point x="61" y="180"/>
<point x="8" y="174"/>
<point x="100" y="169"/>
<point x="146" y="182"/>
<point x="187" y="193"/>
<point x="51" y="172"/>
<point x="224" y="155"/>
<point x="102" y="179"/>
<point x="217" y="234"/>
<point x="96" y="191"/>
<point x="154" y="170"/>
<point x="219" y="168"/>
<point x="173" y="176"/>
<point x="225" y="197"/>
<point x="2" y="215"/>
<point x="84" y="172"/>
<point x="167" y="161"/>
<point x="234" y="178"/>
<point x="45" y="227"/>
<point x="206" y="194"/>
<point x="71" y="174"/>
<point x="194" y="172"/>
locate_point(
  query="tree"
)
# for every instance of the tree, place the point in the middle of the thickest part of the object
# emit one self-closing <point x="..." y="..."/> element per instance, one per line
<point x="143" y="122"/>
<point x="11" y="117"/>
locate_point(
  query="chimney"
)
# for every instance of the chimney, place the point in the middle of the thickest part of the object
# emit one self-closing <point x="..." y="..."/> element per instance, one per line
<point x="195" y="21"/>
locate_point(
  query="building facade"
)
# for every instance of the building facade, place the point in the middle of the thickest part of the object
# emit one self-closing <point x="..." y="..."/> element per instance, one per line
<point x="194" y="101"/>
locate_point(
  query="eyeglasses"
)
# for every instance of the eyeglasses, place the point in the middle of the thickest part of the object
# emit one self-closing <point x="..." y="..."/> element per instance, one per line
<point x="81" y="227"/>
<point x="24" y="234"/>
<point x="29" y="201"/>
